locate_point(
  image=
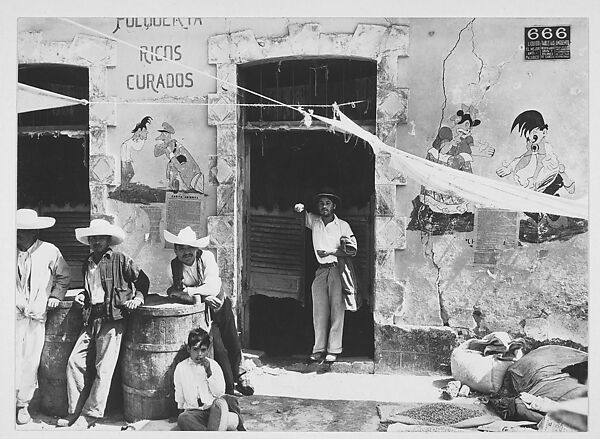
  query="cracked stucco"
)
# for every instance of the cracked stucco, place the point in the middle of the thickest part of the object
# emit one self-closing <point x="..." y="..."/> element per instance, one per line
<point x="539" y="290"/>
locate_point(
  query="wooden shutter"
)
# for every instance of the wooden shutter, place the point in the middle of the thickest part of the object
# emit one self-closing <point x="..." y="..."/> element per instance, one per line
<point x="276" y="256"/>
<point x="62" y="235"/>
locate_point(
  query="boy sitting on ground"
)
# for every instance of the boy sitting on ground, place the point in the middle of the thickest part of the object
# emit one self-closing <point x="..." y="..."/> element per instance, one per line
<point x="200" y="390"/>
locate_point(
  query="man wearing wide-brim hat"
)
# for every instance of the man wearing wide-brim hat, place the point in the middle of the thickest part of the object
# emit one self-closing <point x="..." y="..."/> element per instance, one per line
<point x="194" y="275"/>
<point x="114" y="286"/>
<point x="332" y="239"/>
<point x="43" y="277"/>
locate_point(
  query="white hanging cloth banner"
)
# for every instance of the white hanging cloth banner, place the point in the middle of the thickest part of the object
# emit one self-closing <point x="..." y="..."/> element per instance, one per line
<point x="481" y="191"/>
<point x="32" y="98"/>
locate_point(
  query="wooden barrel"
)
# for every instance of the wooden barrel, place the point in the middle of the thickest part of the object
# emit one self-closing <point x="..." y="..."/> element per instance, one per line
<point x="63" y="325"/>
<point x="154" y="344"/>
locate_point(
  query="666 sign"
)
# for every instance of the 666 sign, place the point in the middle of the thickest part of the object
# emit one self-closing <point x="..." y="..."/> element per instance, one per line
<point x="547" y="42"/>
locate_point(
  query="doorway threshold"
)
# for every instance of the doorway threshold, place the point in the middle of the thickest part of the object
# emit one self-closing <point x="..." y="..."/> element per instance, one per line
<point x="299" y="363"/>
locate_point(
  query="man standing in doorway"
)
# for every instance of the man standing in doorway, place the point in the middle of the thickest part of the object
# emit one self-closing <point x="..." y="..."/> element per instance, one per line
<point x="42" y="280"/>
<point x="329" y="234"/>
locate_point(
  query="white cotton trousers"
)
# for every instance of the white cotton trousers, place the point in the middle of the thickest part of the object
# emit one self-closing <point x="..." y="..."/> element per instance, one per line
<point x="30" y="335"/>
<point x="328" y="310"/>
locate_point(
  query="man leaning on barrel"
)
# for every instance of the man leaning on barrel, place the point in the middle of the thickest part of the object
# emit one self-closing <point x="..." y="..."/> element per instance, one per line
<point x="42" y="281"/>
<point x="114" y="286"/>
<point x="195" y="273"/>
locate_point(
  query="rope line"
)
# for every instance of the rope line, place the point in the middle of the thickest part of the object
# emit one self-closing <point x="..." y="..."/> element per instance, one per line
<point x="86" y="102"/>
<point x="146" y="51"/>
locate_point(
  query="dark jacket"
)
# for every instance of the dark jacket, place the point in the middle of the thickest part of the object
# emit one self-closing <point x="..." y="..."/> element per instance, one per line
<point x="118" y="273"/>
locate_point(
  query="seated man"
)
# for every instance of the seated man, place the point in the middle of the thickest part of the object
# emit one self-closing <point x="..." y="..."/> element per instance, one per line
<point x="195" y="273"/>
<point x="199" y="390"/>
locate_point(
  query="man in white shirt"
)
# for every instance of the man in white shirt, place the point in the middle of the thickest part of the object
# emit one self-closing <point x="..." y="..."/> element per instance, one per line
<point x="42" y="280"/>
<point x="328" y="231"/>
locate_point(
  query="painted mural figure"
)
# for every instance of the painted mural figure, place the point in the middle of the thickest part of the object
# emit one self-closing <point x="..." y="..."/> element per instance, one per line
<point x="539" y="169"/>
<point x="135" y="142"/>
<point x="453" y="147"/>
<point x="182" y="168"/>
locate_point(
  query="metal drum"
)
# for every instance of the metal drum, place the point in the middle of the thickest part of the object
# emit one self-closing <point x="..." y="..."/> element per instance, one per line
<point x="153" y="345"/>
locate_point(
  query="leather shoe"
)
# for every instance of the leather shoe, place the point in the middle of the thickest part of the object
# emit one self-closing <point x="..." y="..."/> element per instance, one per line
<point x="67" y="421"/>
<point x="244" y="387"/>
<point x="330" y="358"/>
<point x="316" y="356"/>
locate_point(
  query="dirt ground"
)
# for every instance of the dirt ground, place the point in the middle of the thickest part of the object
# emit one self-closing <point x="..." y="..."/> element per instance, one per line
<point x="294" y="397"/>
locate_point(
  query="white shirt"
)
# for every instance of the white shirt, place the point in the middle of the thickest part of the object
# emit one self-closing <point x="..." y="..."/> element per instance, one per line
<point x="210" y="285"/>
<point x="42" y="272"/>
<point x="327" y="237"/>
<point x="192" y="384"/>
<point x="94" y="283"/>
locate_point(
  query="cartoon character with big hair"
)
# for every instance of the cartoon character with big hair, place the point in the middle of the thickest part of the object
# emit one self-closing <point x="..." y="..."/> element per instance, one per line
<point x="538" y="168"/>
<point x="133" y="143"/>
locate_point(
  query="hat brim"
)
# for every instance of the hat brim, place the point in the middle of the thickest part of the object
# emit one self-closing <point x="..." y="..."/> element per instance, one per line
<point x="174" y="239"/>
<point x="332" y="197"/>
<point x="41" y="222"/>
<point x="116" y="234"/>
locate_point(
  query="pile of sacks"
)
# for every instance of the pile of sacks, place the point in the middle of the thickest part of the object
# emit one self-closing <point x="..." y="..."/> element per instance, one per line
<point x="482" y="363"/>
<point x="544" y="376"/>
<point x="530" y="385"/>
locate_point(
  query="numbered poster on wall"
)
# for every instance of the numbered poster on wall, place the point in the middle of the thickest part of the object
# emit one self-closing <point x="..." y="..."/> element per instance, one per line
<point x="547" y="42"/>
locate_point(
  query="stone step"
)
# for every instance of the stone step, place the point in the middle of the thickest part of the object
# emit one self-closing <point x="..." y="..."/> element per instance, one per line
<point x="299" y="363"/>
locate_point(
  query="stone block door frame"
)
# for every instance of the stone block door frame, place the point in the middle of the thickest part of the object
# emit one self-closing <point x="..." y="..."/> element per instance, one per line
<point x="383" y="44"/>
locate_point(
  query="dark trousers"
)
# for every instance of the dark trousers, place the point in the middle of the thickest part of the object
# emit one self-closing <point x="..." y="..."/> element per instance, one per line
<point x="226" y="344"/>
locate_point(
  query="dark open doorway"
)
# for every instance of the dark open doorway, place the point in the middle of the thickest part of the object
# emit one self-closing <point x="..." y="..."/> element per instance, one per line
<point x="52" y="160"/>
<point x="285" y="163"/>
<point x="287" y="168"/>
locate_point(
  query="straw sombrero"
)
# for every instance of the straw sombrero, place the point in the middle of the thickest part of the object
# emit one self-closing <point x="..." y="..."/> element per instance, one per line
<point x="100" y="227"/>
<point x="29" y="219"/>
<point x="186" y="237"/>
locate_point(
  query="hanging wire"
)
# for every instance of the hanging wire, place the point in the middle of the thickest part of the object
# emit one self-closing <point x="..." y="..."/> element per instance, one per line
<point x="275" y="102"/>
<point x="293" y="106"/>
<point x="180" y="64"/>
